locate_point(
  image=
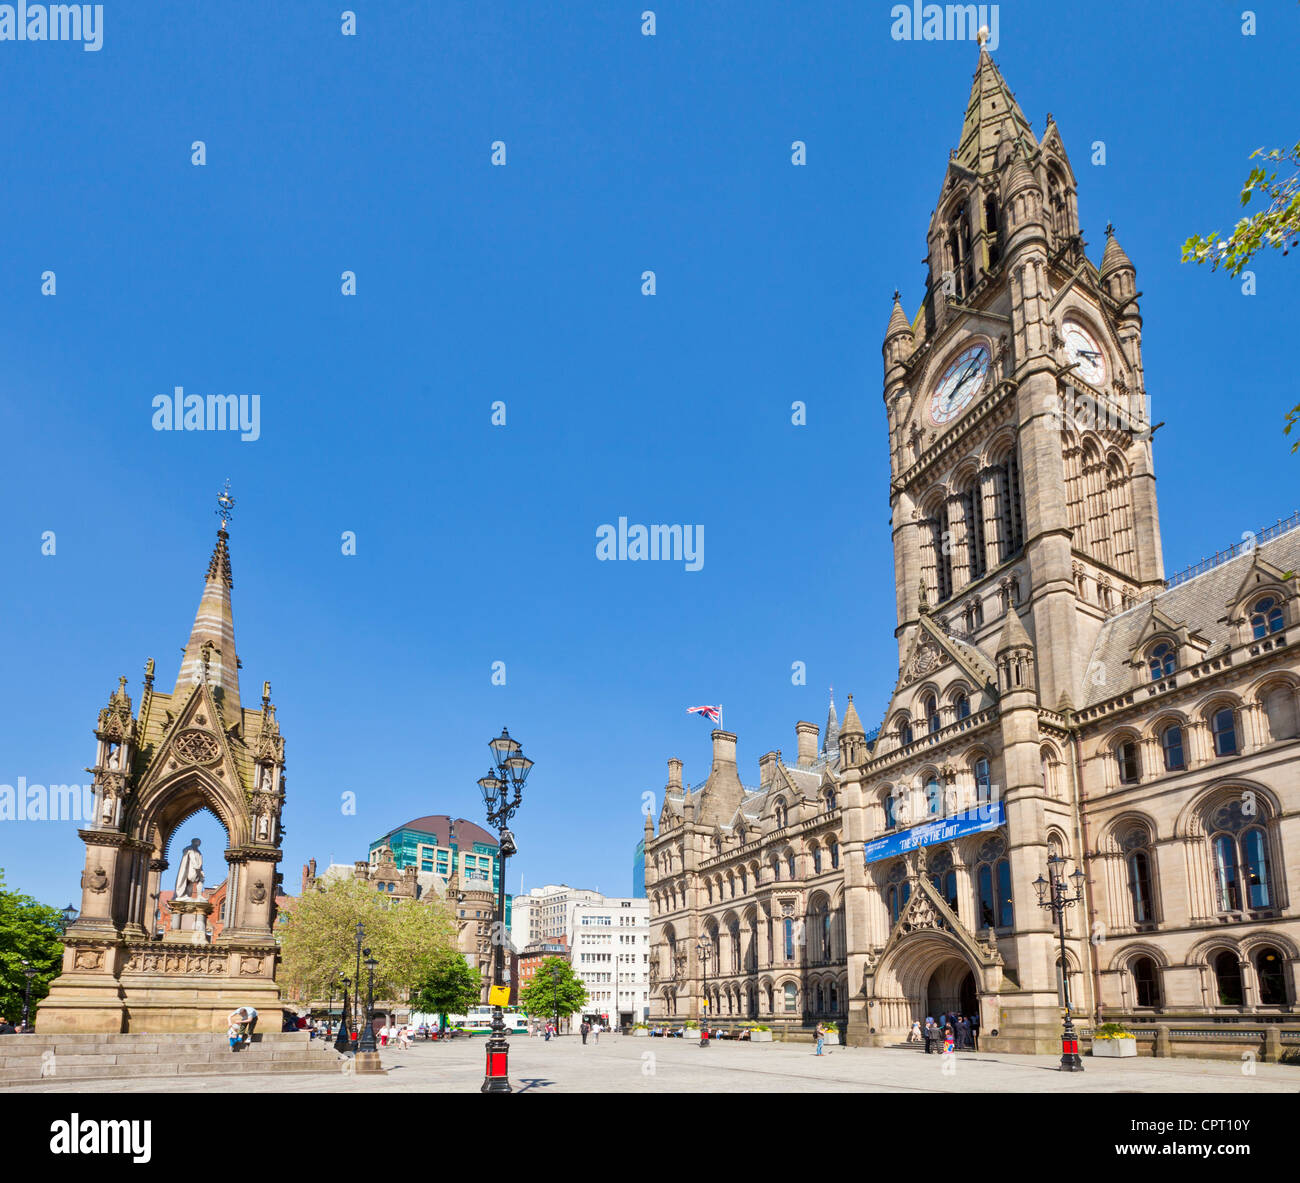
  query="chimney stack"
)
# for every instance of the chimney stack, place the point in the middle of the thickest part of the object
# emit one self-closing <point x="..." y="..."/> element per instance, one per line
<point x="724" y="751"/>
<point x="674" y="773"/>
<point x="807" y="735"/>
<point x="766" y="769"/>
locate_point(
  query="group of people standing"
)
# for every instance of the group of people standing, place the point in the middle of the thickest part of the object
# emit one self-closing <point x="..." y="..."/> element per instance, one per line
<point x="951" y="1033"/>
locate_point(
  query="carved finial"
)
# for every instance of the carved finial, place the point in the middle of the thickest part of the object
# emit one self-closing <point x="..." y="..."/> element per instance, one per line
<point x="896" y="295"/>
<point x="121" y="685"/>
<point x="982" y="36"/>
<point x="1110" y="230"/>
<point x="266" y="693"/>
<point x="225" y="505"/>
<point x="148" y="672"/>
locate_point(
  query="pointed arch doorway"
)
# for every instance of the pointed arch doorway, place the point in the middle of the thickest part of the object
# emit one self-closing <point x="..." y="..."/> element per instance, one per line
<point x="951" y="988"/>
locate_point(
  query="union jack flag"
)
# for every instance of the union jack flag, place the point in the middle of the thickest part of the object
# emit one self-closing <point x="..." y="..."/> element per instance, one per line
<point x="710" y="713"/>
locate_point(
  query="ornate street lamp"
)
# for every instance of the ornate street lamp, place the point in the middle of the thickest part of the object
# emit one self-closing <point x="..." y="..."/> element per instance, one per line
<point x="555" y="977"/>
<point x="1054" y="895"/>
<point x="368" y="1032"/>
<point x="512" y="769"/>
<point x="69" y="915"/>
<point x="343" y="1041"/>
<point x="29" y="972"/>
<point x="356" y="995"/>
<point x="704" y="947"/>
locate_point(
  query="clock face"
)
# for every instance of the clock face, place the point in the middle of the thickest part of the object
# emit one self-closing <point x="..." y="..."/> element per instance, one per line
<point x="1082" y="350"/>
<point x="960" y="382"/>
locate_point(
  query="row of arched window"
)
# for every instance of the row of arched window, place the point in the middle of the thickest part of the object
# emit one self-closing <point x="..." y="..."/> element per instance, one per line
<point x="966" y="534"/>
<point x="904" y="806"/>
<point x="992" y="905"/>
<point x="1099" y="500"/>
<point x="1264" y="966"/>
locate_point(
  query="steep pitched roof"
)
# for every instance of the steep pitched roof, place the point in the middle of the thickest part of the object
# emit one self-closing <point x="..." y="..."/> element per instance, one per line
<point x="213" y="634"/>
<point x="1200" y="605"/>
<point x="991" y="113"/>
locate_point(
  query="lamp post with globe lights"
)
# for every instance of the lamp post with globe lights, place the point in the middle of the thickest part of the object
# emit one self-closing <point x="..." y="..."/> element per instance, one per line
<point x="1054" y="895"/>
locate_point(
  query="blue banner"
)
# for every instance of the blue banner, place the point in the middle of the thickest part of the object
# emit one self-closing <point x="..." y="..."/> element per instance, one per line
<point x="987" y="816"/>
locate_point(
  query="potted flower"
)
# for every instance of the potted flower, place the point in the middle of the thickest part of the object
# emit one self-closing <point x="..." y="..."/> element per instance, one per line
<point x="641" y="1030"/>
<point x="1112" y="1039"/>
<point x="759" y="1033"/>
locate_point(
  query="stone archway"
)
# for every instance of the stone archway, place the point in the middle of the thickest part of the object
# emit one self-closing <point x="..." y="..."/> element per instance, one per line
<point x="927" y="973"/>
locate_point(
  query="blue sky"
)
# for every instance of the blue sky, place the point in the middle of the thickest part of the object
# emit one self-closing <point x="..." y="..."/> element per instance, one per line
<point x="476" y="543"/>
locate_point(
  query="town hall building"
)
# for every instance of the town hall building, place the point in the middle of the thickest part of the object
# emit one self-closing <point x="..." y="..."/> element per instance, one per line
<point x="1057" y="694"/>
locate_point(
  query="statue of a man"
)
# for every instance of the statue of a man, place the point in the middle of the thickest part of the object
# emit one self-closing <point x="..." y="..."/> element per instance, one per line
<point x="189" y="876"/>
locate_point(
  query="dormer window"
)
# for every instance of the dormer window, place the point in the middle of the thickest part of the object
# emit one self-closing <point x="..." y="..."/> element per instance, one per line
<point x="780" y="812"/>
<point x="1163" y="661"/>
<point x="1266" y="617"/>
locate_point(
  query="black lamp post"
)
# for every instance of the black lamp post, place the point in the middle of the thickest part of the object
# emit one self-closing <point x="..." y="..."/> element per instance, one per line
<point x="512" y="768"/>
<point x="367" y="1043"/>
<point x="29" y="972"/>
<point x="356" y="994"/>
<point x="555" y="977"/>
<point x="1053" y="895"/>
<point x="704" y="948"/>
<point x="342" y="1041"/>
<point x="69" y="915"/>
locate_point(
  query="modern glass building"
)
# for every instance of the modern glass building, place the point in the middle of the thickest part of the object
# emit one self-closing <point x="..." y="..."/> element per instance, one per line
<point x="438" y="844"/>
<point x="638" y="871"/>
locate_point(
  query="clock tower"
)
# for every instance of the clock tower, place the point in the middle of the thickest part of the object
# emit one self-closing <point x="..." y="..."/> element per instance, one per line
<point x="1019" y="438"/>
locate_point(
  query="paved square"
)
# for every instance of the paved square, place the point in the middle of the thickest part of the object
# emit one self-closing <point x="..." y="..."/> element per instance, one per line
<point x="623" y="1064"/>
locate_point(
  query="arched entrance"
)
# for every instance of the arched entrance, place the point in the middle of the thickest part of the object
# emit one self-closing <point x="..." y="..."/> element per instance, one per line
<point x="951" y="988"/>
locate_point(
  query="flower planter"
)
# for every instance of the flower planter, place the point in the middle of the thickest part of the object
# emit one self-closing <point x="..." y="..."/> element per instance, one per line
<point x="832" y="1040"/>
<point x="640" y="1032"/>
<point x="1118" y="1048"/>
<point x="760" y="1037"/>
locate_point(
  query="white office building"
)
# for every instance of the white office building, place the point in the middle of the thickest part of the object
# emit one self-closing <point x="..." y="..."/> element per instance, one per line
<point x="609" y="942"/>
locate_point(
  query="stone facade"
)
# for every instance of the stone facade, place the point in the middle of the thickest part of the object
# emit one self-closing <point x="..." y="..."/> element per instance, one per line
<point x="1056" y="694"/>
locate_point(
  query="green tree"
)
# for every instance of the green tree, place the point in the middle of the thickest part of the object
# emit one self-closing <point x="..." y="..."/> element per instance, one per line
<point x="1276" y="226"/>
<point x="452" y="988"/>
<point x="545" y="996"/>
<point x="318" y="939"/>
<point x="29" y="931"/>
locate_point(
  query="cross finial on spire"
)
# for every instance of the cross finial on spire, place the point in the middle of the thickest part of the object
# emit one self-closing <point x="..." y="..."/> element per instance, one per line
<point x="1110" y="229"/>
<point x="225" y="505"/>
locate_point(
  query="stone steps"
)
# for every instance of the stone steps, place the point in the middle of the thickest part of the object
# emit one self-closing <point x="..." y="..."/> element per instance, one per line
<point x="97" y="1057"/>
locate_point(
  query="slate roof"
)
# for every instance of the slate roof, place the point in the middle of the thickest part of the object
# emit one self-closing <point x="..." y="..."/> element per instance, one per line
<point x="1200" y="604"/>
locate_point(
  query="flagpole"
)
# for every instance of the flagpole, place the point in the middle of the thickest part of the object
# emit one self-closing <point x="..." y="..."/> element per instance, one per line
<point x="720" y="726"/>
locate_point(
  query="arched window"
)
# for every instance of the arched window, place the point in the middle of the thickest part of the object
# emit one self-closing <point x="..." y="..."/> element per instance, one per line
<point x="944" y="878"/>
<point x="780" y="813"/>
<point x="817" y="860"/>
<point x="1266" y="617"/>
<point x="1227" y="976"/>
<point x="983" y="781"/>
<point x="834" y="848"/>
<point x="1223" y="725"/>
<point x="1171" y="744"/>
<point x="1162" y="662"/>
<point x="789" y="862"/>
<point x="942" y="556"/>
<point x="1146" y="981"/>
<point x="993" y="879"/>
<point x="733" y="931"/>
<point x="744" y="881"/>
<point x="890" y="821"/>
<point x="932" y="713"/>
<point x="905" y="731"/>
<point x="740" y="835"/>
<point x="1242" y="865"/>
<point x="962" y="705"/>
<point x="897" y="897"/>
<point x="1126" y="760"/>
<point x="1280" y="710"/>
<point x="776" y="869"/>
<point x="831" y="800"/>
<point x="1272" y="980"/>
<point x="933" y="797"/>
<point x="791" y="996"/>
<point x="788" y="935"/>
<point x="1138" y="860"/>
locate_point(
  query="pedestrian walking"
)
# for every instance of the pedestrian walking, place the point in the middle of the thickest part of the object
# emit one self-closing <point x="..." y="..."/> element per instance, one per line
<point x="585" y="1030"/>
<point x="821" y="1039"/>
<point x="949" y="1045"/>
<point x="931" y="1035"/>
<point x="595" y="1033"/>
<point x="975" y="1030"/>
<point x="914" y="1035"/>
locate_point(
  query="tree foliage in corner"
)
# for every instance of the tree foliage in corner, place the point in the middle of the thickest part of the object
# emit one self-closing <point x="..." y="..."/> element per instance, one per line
<point x="318" y="939"/>
<point x="451" y="989"/>
<point x="29" y="931"/>
<point x="1277" y="226"/>
<point x="544" y="995"/>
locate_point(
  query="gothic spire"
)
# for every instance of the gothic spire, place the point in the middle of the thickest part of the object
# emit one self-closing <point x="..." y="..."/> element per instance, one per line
<point x="831" y="742"/>
<point x="211" y="646"/>
<point x="991" y="114"/>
